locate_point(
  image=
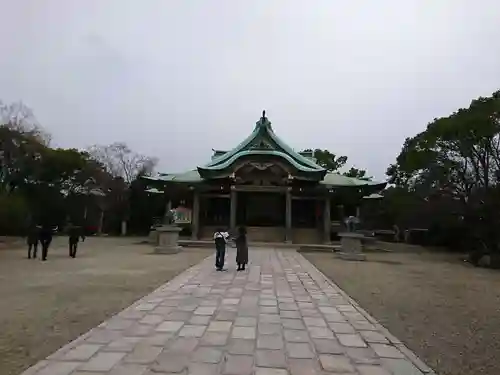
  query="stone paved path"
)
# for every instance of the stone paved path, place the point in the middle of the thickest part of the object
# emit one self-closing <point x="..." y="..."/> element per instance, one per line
<point x="280" y="317"/>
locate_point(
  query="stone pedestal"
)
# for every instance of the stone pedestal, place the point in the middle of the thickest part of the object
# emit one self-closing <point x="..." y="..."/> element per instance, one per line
<point x="351" y="246"/>
<point x="167" y="239"/>
<point x="153" y="236"/>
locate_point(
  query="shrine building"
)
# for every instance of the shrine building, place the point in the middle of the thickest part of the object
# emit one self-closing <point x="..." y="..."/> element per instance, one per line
<point x="278" y="194"/>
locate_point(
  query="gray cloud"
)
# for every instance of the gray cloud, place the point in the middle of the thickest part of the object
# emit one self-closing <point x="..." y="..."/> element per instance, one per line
<point x="175" y="78"/>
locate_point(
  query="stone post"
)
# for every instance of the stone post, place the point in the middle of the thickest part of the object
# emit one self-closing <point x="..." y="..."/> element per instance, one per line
<point x="232" y="213"/>
<point x="288" y="213"/>
<point x="195" y="215"/>
<point x="327" y="221"/>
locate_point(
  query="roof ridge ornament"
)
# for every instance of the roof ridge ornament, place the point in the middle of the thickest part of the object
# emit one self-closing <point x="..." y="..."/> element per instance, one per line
<point x="263" y="120"/>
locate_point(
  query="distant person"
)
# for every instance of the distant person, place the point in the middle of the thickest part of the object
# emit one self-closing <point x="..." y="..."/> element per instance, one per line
<point x="74" y="233"/>
<point x="32" y="240"/>
<point x="241" y="249"/>
<point x="45" y="237"/>
<point x="220" y="239"/>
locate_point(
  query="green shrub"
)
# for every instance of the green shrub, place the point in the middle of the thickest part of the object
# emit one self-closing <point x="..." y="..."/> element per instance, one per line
<point x="13" y="214"/>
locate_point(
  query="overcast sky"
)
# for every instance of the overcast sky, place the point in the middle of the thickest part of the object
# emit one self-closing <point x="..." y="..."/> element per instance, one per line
<point x="174" y="79"/>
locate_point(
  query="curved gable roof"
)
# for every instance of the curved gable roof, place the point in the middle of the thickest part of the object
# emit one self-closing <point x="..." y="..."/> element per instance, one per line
<point x="263" y="141"/>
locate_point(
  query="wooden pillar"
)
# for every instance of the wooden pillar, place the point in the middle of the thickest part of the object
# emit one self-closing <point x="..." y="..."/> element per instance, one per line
<point x="327" y="222"/>
<point x="232" y="213"/>
<point x="358" y="211"/>
<point x="288" y="213"/>
<point x="195" y="215"/>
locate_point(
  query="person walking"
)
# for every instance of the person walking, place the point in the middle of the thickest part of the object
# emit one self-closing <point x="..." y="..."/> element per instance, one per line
<point x="32" y="240"/>
<point x="241" y="249"/>
<point x="220" y="239"/>
<point x="74" y="233"/>
<point x="45" y="237"/>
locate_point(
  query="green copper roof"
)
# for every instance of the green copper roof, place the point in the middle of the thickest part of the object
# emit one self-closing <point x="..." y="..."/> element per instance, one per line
<point x="263" y="141"/>
<point x="331" y="180"/>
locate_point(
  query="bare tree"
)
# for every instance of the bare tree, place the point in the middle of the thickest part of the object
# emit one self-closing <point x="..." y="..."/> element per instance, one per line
<point x="120" y="161"/>
<point x="17" y="116"/>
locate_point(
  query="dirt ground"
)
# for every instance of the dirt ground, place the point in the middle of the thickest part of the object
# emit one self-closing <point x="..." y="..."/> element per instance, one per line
<point x="44" y="305"/>
<point x="446" y="311"/>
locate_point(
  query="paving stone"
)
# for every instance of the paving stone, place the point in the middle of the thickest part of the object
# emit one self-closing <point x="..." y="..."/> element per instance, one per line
<point x="299" y="350"/>
<point x="245" y="322"/>
<point x="375" y="337"/>
<point x="288" y="307"/>
<point x="314" y="322"/>
<point x="202" y="369"/>
<point x="386" y="351"/>
<point x="169" y="326"/>
<point x="183" y="345"/>
<point x="220" y="326"/>
<point x="192" y="331"/>
<point x="372" y="370"/>
<point x="230" y="301"/>
<point x="295" y="335"/>
<point x="400" y="367"/>
<point x="157" y="339"/>
<point x="102" y="336"/>
<point x="310" y="313"/>
<point x="124" y="344"/>
<point x="139" y="330"/>
<point x="214" y="338"/>
<point x="59" y="368"/>
<point x="205" y="310"/>
<point x="243" y="333"/>
<point x="320" y="333"/>
<point x="152" y="319"/>
<point x="268" y="310"/>
<point x="290" y="314"/>
<point x="143" y="354"/>
<point x="365" y="356"/>
<point x="270" y="342"/>
<point x="363" y="326"/>
<point x="270" y="358"/>
<point x="328" y="346"/>
<point x="201" y="320"/>
<point x="170" y="363"/>
<point x="335" y="318"/>
<point x="241" y="346"/>
<point x="351" y="340"/>
<point x="292" y="323"/>
<point x="238" y="365"/>
<point x="207" y="355"/>
<point x="81" y="352"/>
<point x="342" y="328"/>
<point x="336" y="363"/>
<point x="128" y="369"/>
<point x="269" y="318"/>
<point x="270" y="371"/>
<point x="181" y="316"/>
<point x="103" y="361"/>
<point x="269" y="329"/>
<point x="268" y="302"/>
<point x="303" y="366"/>
<point x="226" y="315"/>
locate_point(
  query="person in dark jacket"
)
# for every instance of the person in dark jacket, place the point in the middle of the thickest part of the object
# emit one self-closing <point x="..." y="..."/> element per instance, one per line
<point x="32" y="240"/>
<point x="220" y="239"/>
<point x="74" y="233"/>
<point x="45" y="236"/>
<point x="241" y="249"/>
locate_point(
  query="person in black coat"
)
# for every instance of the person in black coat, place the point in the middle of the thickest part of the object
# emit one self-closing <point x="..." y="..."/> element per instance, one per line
<point x="74" y="233"/>
<point x="241" y="249"/>
<point x="32" y="240"/>
<point x="45" y="237"/>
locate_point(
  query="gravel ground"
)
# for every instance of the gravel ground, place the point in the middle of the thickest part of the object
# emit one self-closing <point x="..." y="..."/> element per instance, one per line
<point x="446" y="311"/>
<point x="44" y="305"/>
